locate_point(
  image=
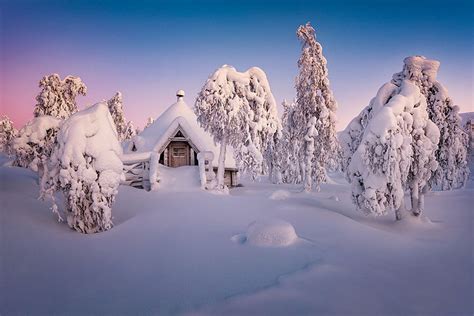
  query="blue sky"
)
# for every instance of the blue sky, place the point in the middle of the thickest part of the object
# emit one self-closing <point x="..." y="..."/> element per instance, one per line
<point x="149" y="49"/>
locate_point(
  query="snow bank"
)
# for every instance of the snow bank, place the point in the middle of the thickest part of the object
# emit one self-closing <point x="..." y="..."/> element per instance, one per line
<point x="271" y="233"/>
<point x="280" y="195"/>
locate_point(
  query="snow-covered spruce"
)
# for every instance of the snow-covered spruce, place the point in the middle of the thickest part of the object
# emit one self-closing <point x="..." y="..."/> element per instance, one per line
<point x="288" y="146"/>
<point x="130" y="130"/>
<point x="35" y="142"/>
<point x="115" y="105"/>
<point x="7" y="135"/>
<point x="451" y="153"/>
<point x="58" y="97"/>
<point x="85" y="165"/>
<point x="314" y="99"/>
<point x="396" y="152"/>
<point x="238" y="109"/>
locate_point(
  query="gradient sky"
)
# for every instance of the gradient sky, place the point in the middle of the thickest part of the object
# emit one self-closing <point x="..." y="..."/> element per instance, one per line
<point x="149" y="49"/>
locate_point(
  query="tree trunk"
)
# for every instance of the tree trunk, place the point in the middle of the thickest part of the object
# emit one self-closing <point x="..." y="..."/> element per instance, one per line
<point x="421" y="200"/>
<point x="415" y="199"/>
<point x="399" y="211"/>
<point x="221" y="165"/>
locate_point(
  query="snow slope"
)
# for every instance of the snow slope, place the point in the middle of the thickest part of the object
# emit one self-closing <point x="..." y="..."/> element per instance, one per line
<point x="172" y="252"/>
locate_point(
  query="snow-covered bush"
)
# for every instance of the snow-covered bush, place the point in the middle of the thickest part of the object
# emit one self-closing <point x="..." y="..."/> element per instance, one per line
<point x="86" y="167"/>
<point x="451" y="153"/>
<point x="35" y="142"/>
<point x="314" y="99"/>
<point x="130" y="131"/>
<point x="58" y="97"/>
<point x="396" y="151"/>
<point x="7" y="135"/>
<point x="238" y="109"/>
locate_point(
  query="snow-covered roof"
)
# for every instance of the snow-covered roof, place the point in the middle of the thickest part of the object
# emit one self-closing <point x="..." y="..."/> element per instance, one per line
<point x="179" y="116"/>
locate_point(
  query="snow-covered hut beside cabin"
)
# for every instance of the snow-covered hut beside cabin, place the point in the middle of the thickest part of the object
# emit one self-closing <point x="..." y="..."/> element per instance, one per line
<point x="173" y="140"/>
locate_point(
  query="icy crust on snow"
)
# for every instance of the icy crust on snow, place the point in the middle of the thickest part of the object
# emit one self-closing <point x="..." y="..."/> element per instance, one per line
<point x="271" y="233"/>
<point x="155" y="136"/>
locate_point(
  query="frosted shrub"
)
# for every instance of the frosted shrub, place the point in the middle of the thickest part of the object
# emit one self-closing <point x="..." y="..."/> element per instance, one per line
<point x="7" y="135"/>
<point x="86" y="167"/>
<point x="35" y="142"/>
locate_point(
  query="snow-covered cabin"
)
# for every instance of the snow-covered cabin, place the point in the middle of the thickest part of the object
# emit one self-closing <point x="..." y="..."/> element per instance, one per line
<point x="176" y="139"/>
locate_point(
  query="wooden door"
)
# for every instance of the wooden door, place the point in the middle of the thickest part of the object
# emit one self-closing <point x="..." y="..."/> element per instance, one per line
<point x="178" y="154"/>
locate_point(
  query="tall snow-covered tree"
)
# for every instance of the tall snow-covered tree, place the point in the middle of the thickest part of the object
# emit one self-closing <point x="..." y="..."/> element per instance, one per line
<point x="289" y="146"/>
<point x="451" y="153"/>
<point x="395" y="152"/>
<point x="58" y="97"/>
<point x="115" y="105"/>
<point x="7" y="135"/>
<point x="86" y="167"/>
<point x="314" y="99"/>
<point x="238" y="109"/>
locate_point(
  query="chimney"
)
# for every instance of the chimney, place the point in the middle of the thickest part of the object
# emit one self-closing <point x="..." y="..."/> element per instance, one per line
<point x="180" y="94"/>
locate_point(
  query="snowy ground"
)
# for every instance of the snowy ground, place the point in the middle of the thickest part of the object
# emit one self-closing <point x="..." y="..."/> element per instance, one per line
<point x="185" y="252"/>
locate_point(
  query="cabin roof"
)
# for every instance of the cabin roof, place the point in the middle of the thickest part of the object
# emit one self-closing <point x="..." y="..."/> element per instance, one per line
<point x="179" y="116"/>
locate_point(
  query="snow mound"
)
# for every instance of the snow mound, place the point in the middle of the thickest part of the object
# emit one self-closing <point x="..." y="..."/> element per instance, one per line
<point x="271" y="233"/>
<point x="280" y="195"/>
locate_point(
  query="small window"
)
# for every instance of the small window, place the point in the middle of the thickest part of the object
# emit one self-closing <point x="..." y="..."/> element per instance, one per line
<point x="179" y="152"/>
<point x="179" y="134"/>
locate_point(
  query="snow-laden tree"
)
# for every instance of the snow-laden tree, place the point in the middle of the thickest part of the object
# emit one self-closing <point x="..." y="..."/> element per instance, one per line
<point x="289" y="146"/>
<point x="7" y="135"/>
<point x="238" y="109"/>
<point x="351" y="137"/>
<point x="452" y="148"/>
<point x="86" y="167"/>
<point x="35" y="142"/>
<point x="395" y="153"/>
<point x="115" y="105"/>
<point x="58" y="97"/>
<point x="130" y="130"/>
<point x="314" y="99"/>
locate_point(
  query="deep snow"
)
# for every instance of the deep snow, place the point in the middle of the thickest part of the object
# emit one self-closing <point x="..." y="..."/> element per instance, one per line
<point x="172" y="252"/>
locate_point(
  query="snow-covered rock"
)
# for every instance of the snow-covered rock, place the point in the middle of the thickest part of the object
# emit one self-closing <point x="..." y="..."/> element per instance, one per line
<point x="271" y="233"/>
